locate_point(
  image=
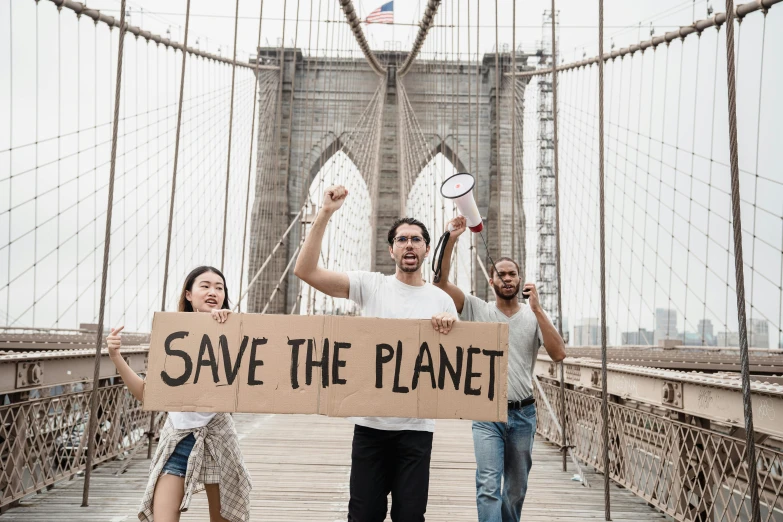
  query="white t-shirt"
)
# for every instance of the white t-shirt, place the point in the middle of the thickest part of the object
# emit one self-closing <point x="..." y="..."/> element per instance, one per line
<point x="387" y="297"/>
<point x="188" y="420"/>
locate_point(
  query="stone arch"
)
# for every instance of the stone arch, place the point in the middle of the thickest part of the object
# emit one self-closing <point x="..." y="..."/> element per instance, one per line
<point x="337" y="144"/>
<point x="319" y="154"/>
<point x="449" y="147"/>
<point x="450" y="153"/>
<point x="313" y="161"/>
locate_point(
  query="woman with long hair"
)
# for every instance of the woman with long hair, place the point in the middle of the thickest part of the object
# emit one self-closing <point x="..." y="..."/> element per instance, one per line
<point x="197" y="451"/>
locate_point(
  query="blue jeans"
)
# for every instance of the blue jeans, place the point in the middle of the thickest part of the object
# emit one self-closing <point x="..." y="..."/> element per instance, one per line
<point x="178" y="461"/>
<point x="503" y="450"/>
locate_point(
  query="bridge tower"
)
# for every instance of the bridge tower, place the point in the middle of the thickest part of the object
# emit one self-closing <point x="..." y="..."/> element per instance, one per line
<point x="545" y="191"/>
<point x="291" y="160"/>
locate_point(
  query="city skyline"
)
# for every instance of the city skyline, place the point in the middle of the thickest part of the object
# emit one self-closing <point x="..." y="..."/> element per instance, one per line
<point x="587" y="332"/>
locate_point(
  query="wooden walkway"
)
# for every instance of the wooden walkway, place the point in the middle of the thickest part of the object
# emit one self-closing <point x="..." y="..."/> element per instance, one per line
<point x="300" y="468"/>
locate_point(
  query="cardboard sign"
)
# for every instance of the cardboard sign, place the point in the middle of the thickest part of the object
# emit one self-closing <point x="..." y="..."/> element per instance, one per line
<point x="329" y="365"/>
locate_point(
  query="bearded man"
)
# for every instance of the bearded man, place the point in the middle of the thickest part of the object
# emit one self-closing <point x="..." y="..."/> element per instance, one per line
<point x="504" y="449"/>
<point x="389" y="454"/>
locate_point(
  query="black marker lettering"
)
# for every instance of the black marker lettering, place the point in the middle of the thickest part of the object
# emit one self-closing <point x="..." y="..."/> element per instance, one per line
<point x="182" y="379"/>
<point x="337" y="363"/>
<point x="254" y="363"/>
<point x="445" y="365"/>
<point x="423" y="349"/>
<point x="231" y="372"/>
<point x="380" y="360"/>
<point x="397" y="363"/>
<point x="323" y="363"/>
<point x="469" y="373"/>
<point x="206" y="349"/>
<point x="492" y="354"/>
<point x="295" y="344"/>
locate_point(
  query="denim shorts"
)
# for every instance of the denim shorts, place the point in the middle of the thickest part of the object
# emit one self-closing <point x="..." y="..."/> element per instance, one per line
<point x="178" y="461"/>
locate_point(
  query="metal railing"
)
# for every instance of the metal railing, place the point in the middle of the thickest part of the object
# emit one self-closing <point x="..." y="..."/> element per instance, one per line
<point x="688" y="466"/>
<point x="681" y="466"/>
<point x="43" y="441"/>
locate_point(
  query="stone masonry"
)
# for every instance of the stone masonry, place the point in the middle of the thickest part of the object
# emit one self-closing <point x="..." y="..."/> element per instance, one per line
<point x="328" y="99"/>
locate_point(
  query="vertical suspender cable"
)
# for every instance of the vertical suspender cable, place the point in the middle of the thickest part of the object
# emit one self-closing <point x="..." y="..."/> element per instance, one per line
<point x="497" y="133"/>
<point x="230" y="135"/>
<point x="176" y="158"/>
<point x="476" y="190"/>
<point x="472" y="152"/>
<point x="250" y="157"/>
<point x="602" y="236"/>
<point x="171" y="199"/>
<point x="93" y="421"/>
<point x="278" y="129"/>
<point x="557" y="233"/>
<point x="290" y="119"/>
<point x="750" y="443"/>
<point x="455" y="68"/>
<point x="424" y="26"/>
<point x="513" y="98"/>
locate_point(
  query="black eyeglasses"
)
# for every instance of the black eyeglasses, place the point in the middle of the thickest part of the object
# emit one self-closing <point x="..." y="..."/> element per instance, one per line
<point x="403" y="240"/>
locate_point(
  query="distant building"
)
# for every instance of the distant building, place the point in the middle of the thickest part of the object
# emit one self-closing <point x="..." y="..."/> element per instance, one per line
<point x="642" y="337"/>
<point x="728" y="339"/>
<point x="706" y="332"/>
<point x="588" y="332"/>
<point x="758" y="333"/>
<point x="694" y="339"/>
<point x="665" y="324"/>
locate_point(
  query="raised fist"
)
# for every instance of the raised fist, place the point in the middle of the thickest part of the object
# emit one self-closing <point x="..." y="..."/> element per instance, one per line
<point x="334" y="197"/>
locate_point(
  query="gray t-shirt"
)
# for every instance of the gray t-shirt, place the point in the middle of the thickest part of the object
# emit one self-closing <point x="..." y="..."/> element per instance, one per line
<point x="524" y="340"/>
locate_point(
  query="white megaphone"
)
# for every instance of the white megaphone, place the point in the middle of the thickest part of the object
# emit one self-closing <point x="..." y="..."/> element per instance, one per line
<point x="459" y="187"/>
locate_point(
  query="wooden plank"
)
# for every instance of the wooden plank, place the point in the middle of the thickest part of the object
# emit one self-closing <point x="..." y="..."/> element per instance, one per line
<point x="300" y="467"/>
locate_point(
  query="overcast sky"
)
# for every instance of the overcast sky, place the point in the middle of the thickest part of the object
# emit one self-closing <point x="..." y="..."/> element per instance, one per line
<point x="212" y="23"/>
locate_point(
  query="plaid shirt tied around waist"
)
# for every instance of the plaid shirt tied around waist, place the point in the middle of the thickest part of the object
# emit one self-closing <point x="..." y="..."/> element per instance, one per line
<point x="215" y="459"/>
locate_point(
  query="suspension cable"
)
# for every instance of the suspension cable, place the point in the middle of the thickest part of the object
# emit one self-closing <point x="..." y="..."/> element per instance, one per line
<point x="563" y="433"/>
<point x="424" y="27"/>
<point x="268" y="258"/>
<point x="513" y="100"/>
<point x="93" y="421"/>
<point x="176" y="158"/>
<point x="750" y="437"/>
<point x="95" y="14"/>
<point x="250" y="156"/>
<point x="697" y="27"/>
<point x="230" y="135"/>
<point x="355" y="23"/>
<point x="602" y="254"/>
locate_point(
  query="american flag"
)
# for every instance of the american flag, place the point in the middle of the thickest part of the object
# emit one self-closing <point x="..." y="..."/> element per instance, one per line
<point x="383" y="15"/>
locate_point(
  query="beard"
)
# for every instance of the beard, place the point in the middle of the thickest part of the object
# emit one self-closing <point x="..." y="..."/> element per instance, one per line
<point x="407" y="268"/>
<point x="499" y="292"/>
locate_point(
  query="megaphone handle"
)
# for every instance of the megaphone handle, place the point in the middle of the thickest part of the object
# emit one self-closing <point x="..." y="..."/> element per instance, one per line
<point x="437" y="257"/>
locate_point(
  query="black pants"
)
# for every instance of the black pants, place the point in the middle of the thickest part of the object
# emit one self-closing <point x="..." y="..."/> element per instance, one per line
<point x="389" y="461"/>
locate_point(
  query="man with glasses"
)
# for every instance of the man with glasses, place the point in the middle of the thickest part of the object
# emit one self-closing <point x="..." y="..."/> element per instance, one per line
<point x="504" y="449"/>
<point x="389" y="454"/>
